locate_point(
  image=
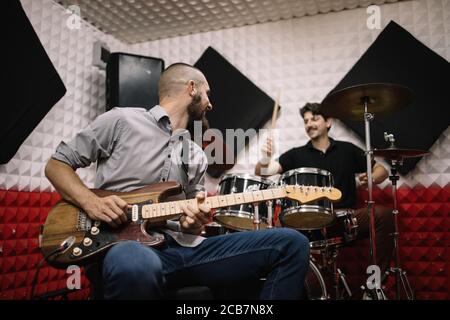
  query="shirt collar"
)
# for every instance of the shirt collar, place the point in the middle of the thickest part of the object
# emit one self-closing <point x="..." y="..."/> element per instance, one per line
<point x="158" y="112"/>
<point x="330" y="147"/>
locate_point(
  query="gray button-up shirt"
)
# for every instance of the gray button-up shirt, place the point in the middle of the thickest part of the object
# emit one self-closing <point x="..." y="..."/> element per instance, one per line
<point x="133" y="148"/>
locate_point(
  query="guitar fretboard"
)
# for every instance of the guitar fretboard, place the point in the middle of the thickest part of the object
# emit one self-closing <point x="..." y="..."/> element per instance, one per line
<point x="168" y="209"/>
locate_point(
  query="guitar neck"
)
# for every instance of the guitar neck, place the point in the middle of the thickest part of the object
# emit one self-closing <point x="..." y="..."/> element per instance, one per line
<point x="167" y="210"/>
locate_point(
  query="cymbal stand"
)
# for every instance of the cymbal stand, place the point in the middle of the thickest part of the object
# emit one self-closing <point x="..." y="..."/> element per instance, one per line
<point x="370" y="204"/>
<point x="377" y="294"/>
<point x="400" y="275"/>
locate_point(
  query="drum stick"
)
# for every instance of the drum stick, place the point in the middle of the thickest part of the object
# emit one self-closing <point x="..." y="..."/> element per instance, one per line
<point x="275" y="111"/>
<point x="274" y="116"/>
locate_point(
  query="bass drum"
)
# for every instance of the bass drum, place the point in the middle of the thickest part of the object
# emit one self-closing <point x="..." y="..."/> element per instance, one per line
<point x="315" y="286"/>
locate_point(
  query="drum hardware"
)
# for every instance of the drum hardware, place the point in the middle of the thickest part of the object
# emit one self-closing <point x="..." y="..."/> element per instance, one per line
<point x="327" y="251"/>
<point x="344" y="282"/>
<point x="374" y="294"/>
<point x="350" y="224"/>
<point x="328" y="254"/>
<point x="269" y="205"/>
<point x="364" y="100"/>
<point x="396" y="156"/>
<point x="256" y="221"/>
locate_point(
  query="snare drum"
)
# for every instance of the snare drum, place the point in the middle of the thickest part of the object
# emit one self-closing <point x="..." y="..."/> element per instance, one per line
<point x="241" y="217"/>
<point x="314" y="215"/>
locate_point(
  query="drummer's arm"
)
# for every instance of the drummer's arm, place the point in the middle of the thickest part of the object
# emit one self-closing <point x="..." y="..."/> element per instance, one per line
<point x="379" y="174"/>
<point x="267" y="166"/>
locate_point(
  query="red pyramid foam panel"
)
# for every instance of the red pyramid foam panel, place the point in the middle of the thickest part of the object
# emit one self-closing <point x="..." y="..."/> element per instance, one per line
<point x="21" y="214"/>
<point x="424" y="223"/>
<point x="424" y="239"/>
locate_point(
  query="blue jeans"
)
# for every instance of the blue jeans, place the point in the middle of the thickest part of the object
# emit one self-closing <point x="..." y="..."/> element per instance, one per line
<point x="134" y="271"/>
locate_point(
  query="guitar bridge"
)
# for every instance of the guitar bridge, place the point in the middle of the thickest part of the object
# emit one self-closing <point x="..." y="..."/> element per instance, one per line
<point x="84" y="223"/>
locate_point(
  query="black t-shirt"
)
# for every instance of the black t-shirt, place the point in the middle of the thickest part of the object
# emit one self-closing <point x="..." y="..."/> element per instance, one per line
<point x="342" y="159"/>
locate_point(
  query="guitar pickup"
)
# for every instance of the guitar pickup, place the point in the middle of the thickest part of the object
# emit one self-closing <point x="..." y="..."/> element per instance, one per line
<point x="135" y="213"/>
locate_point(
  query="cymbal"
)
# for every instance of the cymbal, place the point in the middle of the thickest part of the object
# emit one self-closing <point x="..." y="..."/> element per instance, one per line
<point x="395" y="154"/>
<point x="382" y="98"/>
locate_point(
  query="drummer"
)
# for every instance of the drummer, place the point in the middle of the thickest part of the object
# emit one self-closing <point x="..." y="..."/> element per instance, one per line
<point x="344" y="160"/>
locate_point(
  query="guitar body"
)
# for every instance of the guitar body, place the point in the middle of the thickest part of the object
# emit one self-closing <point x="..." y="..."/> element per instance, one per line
<point x="69" y="236"/>
<point x="68" y="224"/>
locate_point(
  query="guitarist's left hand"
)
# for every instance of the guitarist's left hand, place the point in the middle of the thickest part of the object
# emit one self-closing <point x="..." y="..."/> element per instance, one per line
<point x="195" y="217"/>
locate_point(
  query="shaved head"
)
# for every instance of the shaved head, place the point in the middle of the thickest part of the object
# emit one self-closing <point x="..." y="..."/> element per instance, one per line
<point x="175" y="77"/>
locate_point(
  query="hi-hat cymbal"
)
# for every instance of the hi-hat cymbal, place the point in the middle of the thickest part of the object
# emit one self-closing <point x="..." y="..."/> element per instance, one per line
<point x="382" y="98"/>
<point x="396" y="154"/>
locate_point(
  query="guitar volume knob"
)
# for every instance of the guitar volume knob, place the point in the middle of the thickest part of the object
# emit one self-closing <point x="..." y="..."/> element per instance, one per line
<point x="87" y="242"/>
<point x="95" y="231"/>
<point x="77" y="251"/>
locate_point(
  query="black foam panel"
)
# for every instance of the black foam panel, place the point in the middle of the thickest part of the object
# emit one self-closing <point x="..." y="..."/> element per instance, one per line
<point x="398" y="57"/>
<point x="30" y="84"/>
<point x="237" y="102"/>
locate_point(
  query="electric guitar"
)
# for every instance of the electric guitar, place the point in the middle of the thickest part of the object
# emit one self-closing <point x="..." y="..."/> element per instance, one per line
<point x="69" y="236"/>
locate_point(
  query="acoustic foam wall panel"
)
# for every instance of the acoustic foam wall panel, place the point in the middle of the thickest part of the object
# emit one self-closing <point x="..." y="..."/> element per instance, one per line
<point x="398" y="57"/>
<point x="305" y="58"/>
<point x="70" y="51"/>
<point x="31" y="83"/>
<point x="21" y="214"/>
<point x="237" y="102"/>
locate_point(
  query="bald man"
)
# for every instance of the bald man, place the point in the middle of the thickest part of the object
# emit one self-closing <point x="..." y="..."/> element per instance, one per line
<point x="133" y="148"/>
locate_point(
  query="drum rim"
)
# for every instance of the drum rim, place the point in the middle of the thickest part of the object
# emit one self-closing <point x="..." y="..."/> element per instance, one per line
<point x="246" y="176"/>
<point x="291" y="211"/>
<point x="313" y="208"/>
<point x="234" y="213"/>
<point x="326" y="242"/>
<point x="339" y="213"/>
<point x="306" y="170"/>
<point x="316" y="271"/>
<point x="240" y="215"/>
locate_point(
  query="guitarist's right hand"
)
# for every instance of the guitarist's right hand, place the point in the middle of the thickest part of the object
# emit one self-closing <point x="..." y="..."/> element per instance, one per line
<point x="110" y="209"/>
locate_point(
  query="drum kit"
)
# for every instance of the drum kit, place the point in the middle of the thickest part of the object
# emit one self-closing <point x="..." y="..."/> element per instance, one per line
<point x="313" y="218"/>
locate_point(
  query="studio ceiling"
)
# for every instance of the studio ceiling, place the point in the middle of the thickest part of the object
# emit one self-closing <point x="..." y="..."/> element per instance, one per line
<point x="134" y="21"/>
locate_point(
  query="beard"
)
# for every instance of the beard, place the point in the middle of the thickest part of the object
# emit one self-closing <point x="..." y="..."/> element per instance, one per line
<point x="196" y="113"/>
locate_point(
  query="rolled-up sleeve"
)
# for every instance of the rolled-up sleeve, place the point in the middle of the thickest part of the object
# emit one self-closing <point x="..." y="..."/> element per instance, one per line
<point x="94" y="142"/>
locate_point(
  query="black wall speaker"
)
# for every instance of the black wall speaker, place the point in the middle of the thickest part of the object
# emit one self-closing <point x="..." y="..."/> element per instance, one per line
<point x="30" y="83"/>
<point x="132" y="80"/>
